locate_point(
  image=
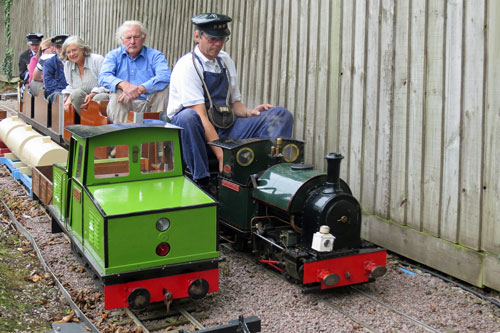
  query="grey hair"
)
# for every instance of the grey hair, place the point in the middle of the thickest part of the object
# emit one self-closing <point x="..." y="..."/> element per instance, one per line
<point x="127" y="24"/>
<point x="79" y="43"/>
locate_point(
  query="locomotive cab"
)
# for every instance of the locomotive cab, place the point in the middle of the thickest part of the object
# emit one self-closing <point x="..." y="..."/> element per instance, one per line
<point x="131" y="214"/>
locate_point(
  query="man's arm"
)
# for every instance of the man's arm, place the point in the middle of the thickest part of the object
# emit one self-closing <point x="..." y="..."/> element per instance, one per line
<point x="107" y="77"/>
<point x="37" y="75"/>
<point x="210" y="132"/>
<point x="161" y="79"/>
<point x="240" y="110"/>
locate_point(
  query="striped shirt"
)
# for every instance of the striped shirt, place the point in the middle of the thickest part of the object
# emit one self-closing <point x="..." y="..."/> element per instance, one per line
<point x="91" y="70"/>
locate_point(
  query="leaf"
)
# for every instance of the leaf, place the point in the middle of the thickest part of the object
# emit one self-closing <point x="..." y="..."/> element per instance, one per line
<point x="433" y="308"/>
<point x="33" y="278"/>
<point x="66" y="318"/>
<point x="357" y="326"/>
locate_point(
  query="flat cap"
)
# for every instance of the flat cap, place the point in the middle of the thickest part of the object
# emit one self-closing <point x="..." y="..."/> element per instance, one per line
<point x="34" y="38"/>
<point x="213" y="24"/>
<point x="59" y="39"/>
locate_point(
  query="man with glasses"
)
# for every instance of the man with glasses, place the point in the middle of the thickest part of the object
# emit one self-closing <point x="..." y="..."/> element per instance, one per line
<point x="137" y="75"/>
<point x="206" y="102"/>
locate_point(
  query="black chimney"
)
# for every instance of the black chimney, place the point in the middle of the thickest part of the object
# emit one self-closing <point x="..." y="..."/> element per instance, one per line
<point x="333" y="170"/>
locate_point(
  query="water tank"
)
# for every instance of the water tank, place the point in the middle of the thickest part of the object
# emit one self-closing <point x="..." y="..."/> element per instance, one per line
<point x="19" y="137"/>
<point x="43" y="151"/>
<point x="7" y="125"/>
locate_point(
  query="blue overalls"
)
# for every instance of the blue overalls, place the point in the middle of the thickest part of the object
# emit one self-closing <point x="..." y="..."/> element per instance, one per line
<point x="273" y="123"/>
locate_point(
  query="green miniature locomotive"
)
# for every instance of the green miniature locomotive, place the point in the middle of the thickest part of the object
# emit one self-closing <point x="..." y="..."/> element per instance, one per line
<point x="147" y="231"/>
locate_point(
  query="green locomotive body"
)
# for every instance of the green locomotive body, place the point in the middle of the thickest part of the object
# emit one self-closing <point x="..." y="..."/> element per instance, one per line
<point x="146" y="230"/>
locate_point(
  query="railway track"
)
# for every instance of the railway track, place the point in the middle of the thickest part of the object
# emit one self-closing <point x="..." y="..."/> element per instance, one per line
<point x="156" y="318"/>
<point x="348" y="300"/>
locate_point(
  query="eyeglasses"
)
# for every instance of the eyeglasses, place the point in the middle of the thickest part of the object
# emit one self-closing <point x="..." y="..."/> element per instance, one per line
<point x="213" y="40"/>
<point x="45" y="49"/>
<point x="129" y="38"/>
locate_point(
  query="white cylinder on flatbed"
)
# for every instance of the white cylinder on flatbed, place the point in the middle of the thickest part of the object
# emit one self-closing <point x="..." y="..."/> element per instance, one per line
<point x="43" y="151"/>
<point x="19" y="138"/>
<point x="9" y="124"/>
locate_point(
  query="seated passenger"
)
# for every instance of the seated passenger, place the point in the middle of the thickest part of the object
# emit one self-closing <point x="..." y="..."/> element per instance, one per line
<point x="205" y="78"/>
<point x="136" y="75"/>
<point x="45" y="52"/>
<point x="53" y="71"/>
<point x="34" y="40"/>
<point x="81" y="69"/>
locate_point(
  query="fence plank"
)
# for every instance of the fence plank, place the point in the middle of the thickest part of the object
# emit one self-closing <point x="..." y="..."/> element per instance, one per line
<point x="357" y="97"/>
<point x="415" y="112"/>
<point x="491" y="208"/>
<point x="371" y="94"/>
<point x="385" y="107"/>
<point x="451" y="134"/>
<point x="433" y="116"/>
<point x="399" y="142"/>
<point x="472" y="125"/>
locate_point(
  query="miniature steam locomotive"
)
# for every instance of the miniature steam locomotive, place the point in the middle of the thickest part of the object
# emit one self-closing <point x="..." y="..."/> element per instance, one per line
<point x="303" y="223"/>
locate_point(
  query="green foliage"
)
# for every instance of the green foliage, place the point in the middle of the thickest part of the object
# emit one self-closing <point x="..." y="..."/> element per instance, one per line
<point x="7" y="61"/>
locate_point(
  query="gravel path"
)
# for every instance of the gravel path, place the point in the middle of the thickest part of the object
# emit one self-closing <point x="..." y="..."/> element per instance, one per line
<point x="251" y="289"/>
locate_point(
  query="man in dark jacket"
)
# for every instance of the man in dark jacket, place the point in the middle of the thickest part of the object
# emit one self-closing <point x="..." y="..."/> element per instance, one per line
<point x="53" y="71"/>
<point x="34" y="40"/>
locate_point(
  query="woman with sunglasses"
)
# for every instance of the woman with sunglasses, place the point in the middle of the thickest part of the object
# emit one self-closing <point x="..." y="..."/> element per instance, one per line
<point x="35" y="75"/>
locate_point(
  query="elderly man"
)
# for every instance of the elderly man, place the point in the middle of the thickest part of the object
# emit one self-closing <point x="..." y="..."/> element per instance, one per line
<point x="136" y="75"/>
<point x="34" y="40"/>
<point x="206" y="102"/>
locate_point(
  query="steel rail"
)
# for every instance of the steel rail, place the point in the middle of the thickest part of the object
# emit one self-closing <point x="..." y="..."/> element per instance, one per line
<point x="389" y="307"/>
<point x="79" y="313"/>
<point x="192" y="319"/>
<point x="136" y="320"/>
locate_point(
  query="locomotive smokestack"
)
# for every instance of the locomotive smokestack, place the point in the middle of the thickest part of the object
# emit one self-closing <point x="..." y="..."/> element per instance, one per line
<point x="333" y="172"/>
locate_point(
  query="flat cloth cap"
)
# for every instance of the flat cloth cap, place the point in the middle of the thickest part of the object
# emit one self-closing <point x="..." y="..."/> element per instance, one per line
<point x="59" y="39"/>
<point x="34" y="38"/>
<point x="213" y="24"/>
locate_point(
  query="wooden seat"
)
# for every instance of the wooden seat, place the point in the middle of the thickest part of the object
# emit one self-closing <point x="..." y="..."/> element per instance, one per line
<point x="41" y="110"/>
<point x="145" y="115"/>
<point x="93" y="116"/>
<point x="69" y="119"/>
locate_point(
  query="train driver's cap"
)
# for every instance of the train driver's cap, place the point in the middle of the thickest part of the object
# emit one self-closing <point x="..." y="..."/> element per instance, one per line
<point x="34" y="38"/>
<point x="59" y="39"/>
<point x="212" y="24"/>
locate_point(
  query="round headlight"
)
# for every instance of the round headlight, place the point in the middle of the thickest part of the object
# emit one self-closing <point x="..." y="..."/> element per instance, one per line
<point x="290" y="152"/>
<point x="245" y="156"/>
<point x="162" y="224"/>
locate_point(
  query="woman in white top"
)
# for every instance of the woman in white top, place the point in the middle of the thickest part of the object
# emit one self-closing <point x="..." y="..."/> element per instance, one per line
<point x="81" y="69"/>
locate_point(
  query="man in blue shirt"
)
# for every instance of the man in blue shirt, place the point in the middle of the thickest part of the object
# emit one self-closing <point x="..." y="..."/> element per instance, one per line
<point x="53" y="71"/>
<point x="137" y="75"/>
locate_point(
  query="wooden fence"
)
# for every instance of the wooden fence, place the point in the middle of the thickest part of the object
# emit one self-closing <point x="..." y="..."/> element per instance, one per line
<point x="407" y="90"/>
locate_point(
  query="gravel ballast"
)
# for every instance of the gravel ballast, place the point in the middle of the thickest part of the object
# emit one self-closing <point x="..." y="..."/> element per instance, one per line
<point x="247" y="288"/>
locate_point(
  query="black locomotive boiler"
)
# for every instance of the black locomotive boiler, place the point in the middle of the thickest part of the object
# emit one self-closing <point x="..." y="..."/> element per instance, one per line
<point x="302" y="222"/>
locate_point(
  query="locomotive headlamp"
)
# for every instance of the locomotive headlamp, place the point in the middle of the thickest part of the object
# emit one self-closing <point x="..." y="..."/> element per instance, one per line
<point x="245" y="156"/>
<point x="162" y="224"/>
<point x="290" y="153"/>
<point x="162" y="249"/>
